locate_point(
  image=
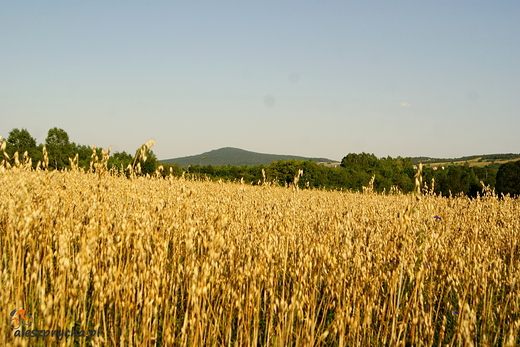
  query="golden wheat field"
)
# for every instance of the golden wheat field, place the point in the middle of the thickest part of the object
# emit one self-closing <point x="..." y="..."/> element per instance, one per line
<point x="151" y="261"/>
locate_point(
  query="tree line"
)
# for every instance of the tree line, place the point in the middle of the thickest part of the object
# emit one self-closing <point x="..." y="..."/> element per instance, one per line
<point x="390" y="175"/>
<point x="355" y="172"/>
<point x="60" y="152"/>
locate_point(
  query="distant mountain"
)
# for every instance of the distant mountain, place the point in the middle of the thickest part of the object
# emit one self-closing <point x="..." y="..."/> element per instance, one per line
<point x="237" y="157"/>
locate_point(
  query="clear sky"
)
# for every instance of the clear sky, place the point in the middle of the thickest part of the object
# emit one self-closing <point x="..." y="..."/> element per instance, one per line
<point x="311" y="78"/>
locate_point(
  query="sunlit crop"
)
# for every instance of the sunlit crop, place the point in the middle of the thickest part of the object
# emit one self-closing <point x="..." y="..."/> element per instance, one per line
<point x="166" y="261"/>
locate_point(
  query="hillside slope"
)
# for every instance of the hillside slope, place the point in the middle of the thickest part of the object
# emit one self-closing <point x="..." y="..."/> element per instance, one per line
<point x="236" y="157"/>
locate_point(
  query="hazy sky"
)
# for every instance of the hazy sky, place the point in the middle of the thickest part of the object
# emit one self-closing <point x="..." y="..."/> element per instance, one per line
<point x="312" y="78"/>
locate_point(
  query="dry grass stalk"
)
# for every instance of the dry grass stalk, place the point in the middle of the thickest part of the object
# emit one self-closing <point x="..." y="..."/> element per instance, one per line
<point x="173" y="262"/>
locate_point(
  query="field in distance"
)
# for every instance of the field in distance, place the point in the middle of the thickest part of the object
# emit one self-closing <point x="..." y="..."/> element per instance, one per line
<point x="475" y="160"/>
<point x="173" y="262"/>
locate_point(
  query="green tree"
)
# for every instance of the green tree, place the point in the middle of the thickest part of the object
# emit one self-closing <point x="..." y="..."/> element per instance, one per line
<point x="313" y="174"/>
<point x="176" y="169"/>
<point x="59" y="148"/>
<point x="283" y="171"/>
<point x="396" y="172"/>
<point x="146" y="159"/>
<point x="120" y="161"/>
<point x="84" y="154"/>
<point x="508" y="178"/>
<point x="368" y="162"/>
<point x="151" y="163"/>
<point x="486" y="174"/>
<point x="457" y="179"/>
<point x="21" y="141"/>
<point x="337" y="178"/>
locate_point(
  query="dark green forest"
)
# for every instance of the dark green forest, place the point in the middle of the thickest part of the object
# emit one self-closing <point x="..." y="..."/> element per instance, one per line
<point x="355" y="172"/>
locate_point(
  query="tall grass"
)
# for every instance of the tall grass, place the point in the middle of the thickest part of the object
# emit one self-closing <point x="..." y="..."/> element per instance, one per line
<point x="171" y="262"/>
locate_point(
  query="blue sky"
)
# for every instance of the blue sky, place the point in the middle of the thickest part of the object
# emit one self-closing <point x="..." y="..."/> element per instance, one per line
<point x="311" y="78"/>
